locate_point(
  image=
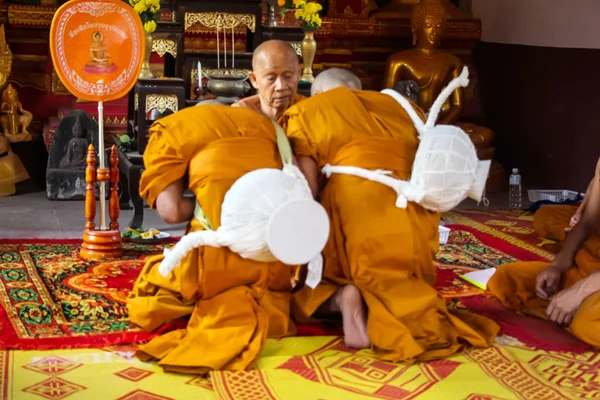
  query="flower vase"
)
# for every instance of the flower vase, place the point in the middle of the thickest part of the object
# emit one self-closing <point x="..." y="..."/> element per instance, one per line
<point x="271" y="22"/>
<point x="309" y="50"/>
<point x="146" y="73"/>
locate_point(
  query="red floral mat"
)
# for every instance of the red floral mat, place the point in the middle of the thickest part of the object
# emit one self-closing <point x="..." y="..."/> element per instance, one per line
<point x="51" y="298"/>
<point x="511" y="233"/>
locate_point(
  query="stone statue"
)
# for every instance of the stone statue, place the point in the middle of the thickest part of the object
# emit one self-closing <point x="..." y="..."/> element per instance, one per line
<point x="14" y="119"/>
<point x="433" y="69"/>
<point x="76" y="149"/>
<point x="410" y="90"/>
<point x="65" y="172"/>
<point x="99" y="61"/>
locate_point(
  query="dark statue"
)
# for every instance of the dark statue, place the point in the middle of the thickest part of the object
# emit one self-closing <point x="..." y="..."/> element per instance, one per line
<point x="65" y="175"/>
<point x="76" y="149"/>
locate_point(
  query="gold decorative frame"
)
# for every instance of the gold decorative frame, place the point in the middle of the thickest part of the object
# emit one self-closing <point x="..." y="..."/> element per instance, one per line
<point x="220" y="20"/>
<point x="163" y="46"/>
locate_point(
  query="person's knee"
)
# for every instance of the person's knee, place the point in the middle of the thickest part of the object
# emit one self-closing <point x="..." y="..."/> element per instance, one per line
<point x="586" y="325"/>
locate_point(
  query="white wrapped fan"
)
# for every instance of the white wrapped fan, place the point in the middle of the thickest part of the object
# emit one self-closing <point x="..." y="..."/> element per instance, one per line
<point x="267" y="215"/>
<point x="446" y="169"/>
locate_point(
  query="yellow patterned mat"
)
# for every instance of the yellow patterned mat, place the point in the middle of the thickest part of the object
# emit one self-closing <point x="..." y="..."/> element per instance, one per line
<point x="317" y="368"/>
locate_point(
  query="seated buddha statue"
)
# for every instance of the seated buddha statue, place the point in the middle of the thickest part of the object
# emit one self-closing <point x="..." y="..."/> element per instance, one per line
<point x="76" y="149"/>
<point x="15" y="120"/>
<point x="12" y="170"/>
<point x="432" y="69"/>
<point x="99" y="61"/>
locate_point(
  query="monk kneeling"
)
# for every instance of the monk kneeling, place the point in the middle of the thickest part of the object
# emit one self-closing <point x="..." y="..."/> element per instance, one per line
<point x="233" y="303"/>
<point x="567" y="291"/>
<point x="377" y="251"/>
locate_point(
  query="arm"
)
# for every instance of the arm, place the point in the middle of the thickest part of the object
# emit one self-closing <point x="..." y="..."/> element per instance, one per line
<point x="392" y="73"/>
<point x="581" y="231"/>
<point x="457" y="100"/>
<point x="309" y="168"/>
<point x="172" y="207"/>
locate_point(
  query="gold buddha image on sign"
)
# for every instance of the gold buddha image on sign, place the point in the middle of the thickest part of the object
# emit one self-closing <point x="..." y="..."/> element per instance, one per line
<point x="99" y="61"/>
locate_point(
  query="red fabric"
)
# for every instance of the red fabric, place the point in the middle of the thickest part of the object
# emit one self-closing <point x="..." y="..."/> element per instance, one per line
<point x="533" y="332"/>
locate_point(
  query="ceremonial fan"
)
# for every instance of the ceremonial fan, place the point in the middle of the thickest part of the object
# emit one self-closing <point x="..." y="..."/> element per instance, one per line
<point x="97" y="51"/>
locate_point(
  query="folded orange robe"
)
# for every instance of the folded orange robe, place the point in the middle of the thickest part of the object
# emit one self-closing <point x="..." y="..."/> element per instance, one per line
<point x="234" y="303"/>
<point x="550" y="222"/>
<point x="514" y="285"/>
<point x="386" y="251"/>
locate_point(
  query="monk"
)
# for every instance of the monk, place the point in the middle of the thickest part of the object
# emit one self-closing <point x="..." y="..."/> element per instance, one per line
<point x="553" y="222"/>
<point x="275" y="74"/>
<point x="377" y="252"/>
<point x="233" y="304"/>
<point x="566" y="291"/>
<point x="333" y="78"/>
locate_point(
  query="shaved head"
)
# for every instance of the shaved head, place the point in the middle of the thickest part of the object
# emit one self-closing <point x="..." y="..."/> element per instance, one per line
<point x="271" y="48"/>
<point x="275" y="74"/>
<point x="334" y="78"/>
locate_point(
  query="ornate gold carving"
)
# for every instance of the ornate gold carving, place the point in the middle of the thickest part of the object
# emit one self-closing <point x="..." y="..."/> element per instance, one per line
<point x="136" y="102"/>
<point x="220" y="20"/>
<point x="163" y="46"/>
<point x="348" y="11"/>
<point x="162" y="102"/>
<point x="6" y="58"/>
<point x="37" y="16"/>
<point x="297" y="46"/>
<point x="57" y="86"/>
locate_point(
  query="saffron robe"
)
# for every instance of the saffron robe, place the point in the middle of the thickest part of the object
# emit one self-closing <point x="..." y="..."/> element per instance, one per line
<point x="234" y="303"/>
<point x="385" y="251"/>
<point x="514" y="284"/>
<point x="550" y="222"/>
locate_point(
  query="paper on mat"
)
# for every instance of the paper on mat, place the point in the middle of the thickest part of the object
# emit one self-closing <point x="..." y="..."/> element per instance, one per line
<point x="479" y="278"/>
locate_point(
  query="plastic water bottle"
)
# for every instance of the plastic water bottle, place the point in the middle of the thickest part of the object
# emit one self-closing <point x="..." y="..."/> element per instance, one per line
<point x="514" y="194"/>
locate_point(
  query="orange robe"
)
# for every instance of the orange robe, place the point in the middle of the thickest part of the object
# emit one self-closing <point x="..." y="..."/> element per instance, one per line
<point x="386" y="251"/>
<point x="550" y="222"/>
<point x="234" y="303"/>
<point x="514" y="285"/>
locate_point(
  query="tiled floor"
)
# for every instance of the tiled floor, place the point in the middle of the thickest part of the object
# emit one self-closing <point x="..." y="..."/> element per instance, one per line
<point x="32" y="215"/>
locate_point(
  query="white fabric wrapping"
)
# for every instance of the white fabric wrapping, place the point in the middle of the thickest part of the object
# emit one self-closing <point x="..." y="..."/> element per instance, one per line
<point x="251" y="202"/>
<point x="446" y="169"/>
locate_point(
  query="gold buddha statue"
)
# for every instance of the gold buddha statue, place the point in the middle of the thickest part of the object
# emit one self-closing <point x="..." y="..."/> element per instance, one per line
<point x="432" y="69"/>
<point x="99" y="61"/>
<point x="15" y="120"/>
<point x="12" y="170"/>
<point x="403" y="9"/>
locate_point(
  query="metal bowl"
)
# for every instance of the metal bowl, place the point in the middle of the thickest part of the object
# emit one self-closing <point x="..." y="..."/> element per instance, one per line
<point x="227" y="83"/>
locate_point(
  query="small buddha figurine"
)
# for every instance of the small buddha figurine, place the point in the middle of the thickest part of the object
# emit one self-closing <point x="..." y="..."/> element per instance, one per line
<point x="15" y="120"/>
<point x="76" y="149"/>
<point x="12" y="170"/>
<point x="433" y="69"/>
<point x="99" y="61"/>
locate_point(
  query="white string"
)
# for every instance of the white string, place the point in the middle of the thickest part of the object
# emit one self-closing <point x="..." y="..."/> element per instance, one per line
<point x="434" y="111"/>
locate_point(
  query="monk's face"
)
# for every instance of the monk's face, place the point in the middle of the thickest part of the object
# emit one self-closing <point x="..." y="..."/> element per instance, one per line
<point x="276" y="75"/>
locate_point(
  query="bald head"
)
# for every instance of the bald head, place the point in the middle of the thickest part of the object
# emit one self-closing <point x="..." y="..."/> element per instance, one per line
<point x="273" y="48"/>
<point x="334" y="78"/>
<point x="275" y="74"/>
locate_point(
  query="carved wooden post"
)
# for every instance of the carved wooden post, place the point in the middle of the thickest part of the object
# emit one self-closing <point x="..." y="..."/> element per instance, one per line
<point x="113" y="203"/>
<point x="90" y="195"/>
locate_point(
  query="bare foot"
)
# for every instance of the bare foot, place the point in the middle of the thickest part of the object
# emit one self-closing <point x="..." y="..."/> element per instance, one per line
<point x="354" y="315"/>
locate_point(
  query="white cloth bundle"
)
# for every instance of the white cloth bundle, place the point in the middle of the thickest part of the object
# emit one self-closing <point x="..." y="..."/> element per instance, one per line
<point x="267" y="215"/>
<point x="446" y="169"/>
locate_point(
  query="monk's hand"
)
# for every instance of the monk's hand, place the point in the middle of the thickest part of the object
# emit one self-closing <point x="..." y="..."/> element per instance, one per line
<point x="564" y="305"/>
<point x="547" y="282"/>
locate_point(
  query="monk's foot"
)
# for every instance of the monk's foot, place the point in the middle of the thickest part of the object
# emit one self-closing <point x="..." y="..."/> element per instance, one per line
<point x="354" y="317"/>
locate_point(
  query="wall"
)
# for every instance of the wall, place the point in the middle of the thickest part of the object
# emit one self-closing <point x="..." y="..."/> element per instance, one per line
<point x="537" y="64"/>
